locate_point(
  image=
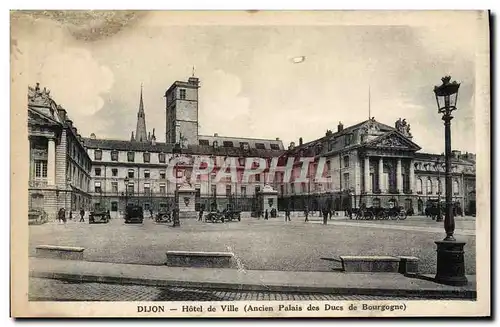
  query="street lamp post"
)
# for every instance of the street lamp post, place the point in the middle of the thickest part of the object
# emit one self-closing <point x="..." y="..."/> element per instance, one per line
<point x="176" y="152"/>
<point x="126" y="192"/>
<point x="437" y="166"/>
<point x="450" y="252"/>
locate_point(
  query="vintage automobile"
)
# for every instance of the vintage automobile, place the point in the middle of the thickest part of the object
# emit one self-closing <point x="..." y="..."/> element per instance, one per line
<point x="163" y="216"/>
<point x="99" y="217"/>
<point x="37" y="217"/>
<point x="214" y="217"/>
<point x="134" y="214"/>
<point x="230" y="215"/>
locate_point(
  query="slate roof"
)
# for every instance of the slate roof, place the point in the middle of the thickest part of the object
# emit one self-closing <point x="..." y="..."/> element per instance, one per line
<point x="121" y="145"/>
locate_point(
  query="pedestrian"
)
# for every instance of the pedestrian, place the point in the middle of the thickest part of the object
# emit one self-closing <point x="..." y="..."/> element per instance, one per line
<point x="325" y="216"/>
<point x="151" y="213"/>
<point x="61" y="215"/>
<point x="287" y="214"/>
<point x="266" y="215"/>
<point x="200" y="217"/>
<point x="306" y="213"/>
<point x="70" y="215"/>
<point x="82" y="214"/>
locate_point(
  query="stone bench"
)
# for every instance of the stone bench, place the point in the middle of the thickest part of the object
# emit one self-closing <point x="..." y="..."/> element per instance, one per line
<point x="408" y="265"/>
<point x="59" y="252"/>
<point x="370" y="264"/>
<point x="200" y="259"/>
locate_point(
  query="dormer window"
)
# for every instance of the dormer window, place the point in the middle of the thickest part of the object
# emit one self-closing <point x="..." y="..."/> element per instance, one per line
<point x="98" y="155"/>
<point x="275" y="146"/>
<point x="260" y="146"/>
<point x="146" y="157"/>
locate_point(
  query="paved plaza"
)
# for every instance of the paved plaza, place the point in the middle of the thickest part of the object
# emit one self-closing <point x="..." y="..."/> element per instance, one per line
<point x="42" y="289"/>
<point x="260" y="244"/>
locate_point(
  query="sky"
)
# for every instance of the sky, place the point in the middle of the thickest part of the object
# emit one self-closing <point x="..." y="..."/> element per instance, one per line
<point x="250" y="85"/>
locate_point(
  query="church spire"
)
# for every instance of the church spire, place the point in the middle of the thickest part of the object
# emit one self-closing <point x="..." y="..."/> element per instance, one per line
<point x="140" y="132"/>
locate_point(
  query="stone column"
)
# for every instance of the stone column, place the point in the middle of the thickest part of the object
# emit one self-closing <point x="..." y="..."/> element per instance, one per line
<point x="381" y="185"/>
<point x="367" y="174"/>
<point x="412" y="175"/>
<point x="399" y="176"/>
<point x="51" y="162"/>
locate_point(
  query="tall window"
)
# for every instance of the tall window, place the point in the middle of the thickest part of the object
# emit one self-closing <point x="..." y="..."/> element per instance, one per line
<point x="346" y="181"/>
<point x="41" y="168"/>
<point x="346" y="161"/>
<point x="114" y="172"/>
<point x="98" y="154"/>
<point x="419" y="186"/>
<point x="114" y="187"/>
<point x="162" y="174"/>
<point x="162" y="188"/>
<point x="429" y="186"/>
<point x="147" y="189"/>
<point x="282" y="187"/>
<point x="456" y="188"/>
<point x="114" y="155"/>
<point x="257" y="177"/>
<point x="214" y="190"/>
<point x="292" y="187"/>
<point x="243" y="191"/>
<point x="146" y="173"/>
<point x="131" y="156"/>
<point x="130" y="173"/>
<point x="97" y="187"/>
<point x="97" y="171"/>
<point x="228" y="190"/>
<point x="114" y="206"/>
<point x="257" y="189"/>
<point x="182" y="94"/>
<point x="146" y="156"/>
<point x="130" y="188"/>
<point x="161" y="157"/>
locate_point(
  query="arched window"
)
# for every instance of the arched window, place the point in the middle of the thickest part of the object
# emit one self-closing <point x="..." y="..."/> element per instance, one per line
<point x="419" y="186"/>
<point x="429" y="186"/>
<point x="456" y="187"/>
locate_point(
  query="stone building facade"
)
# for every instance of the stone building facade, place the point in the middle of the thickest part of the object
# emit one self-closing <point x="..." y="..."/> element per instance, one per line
<point x="59" y="170"/>
<point x="370" y="163"/>
<point x="378" y="165"/>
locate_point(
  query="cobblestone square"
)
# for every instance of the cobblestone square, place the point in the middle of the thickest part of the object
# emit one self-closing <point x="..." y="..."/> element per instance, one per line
<point x="259" y="244"/>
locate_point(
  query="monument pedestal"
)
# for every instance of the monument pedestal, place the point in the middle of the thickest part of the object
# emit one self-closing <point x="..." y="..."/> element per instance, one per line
<point x="270" y="199"/>
<point x="186" y="202"/>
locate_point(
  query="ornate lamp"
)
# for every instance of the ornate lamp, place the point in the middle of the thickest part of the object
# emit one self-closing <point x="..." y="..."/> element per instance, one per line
<point x="450" y="253"/>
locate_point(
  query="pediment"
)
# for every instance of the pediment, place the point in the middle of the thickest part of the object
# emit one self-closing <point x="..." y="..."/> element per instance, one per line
<point x="393" y="140"/>
<point x="38" y="118"/>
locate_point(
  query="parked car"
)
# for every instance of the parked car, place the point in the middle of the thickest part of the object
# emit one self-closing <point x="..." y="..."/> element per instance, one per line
<point x="99" y="217"/>
<point x="134" y="214"/>
<point x="163" y="217"/>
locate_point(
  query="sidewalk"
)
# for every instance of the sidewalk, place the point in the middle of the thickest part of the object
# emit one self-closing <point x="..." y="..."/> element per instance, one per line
<point x="384" y="284"/>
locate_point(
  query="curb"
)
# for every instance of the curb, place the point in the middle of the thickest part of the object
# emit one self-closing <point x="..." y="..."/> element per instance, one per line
<point x="422" y="293"/>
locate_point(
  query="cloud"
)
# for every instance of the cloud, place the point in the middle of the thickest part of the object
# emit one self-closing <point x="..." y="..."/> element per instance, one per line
<point x="50" y="56"/>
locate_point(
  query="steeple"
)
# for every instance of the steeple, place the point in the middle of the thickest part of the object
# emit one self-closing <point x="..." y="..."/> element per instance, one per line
<point x="140" y="132"/>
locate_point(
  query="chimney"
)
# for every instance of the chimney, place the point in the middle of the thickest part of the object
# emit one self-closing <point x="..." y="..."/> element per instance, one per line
<point x="277" y="139"/>
<point x="300" y="141"/>
<point x="62" y="113"/>
<point x="216" y="134"/>
<point x="291" y="146"/>
<point x="340" y="127"/>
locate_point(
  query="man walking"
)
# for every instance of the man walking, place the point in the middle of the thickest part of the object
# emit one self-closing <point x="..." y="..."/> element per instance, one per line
<point x="325" y="215"/>
<point x="287" y="214"/>
<point x="82" y="214"/>
<point x="306" y="213"/>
